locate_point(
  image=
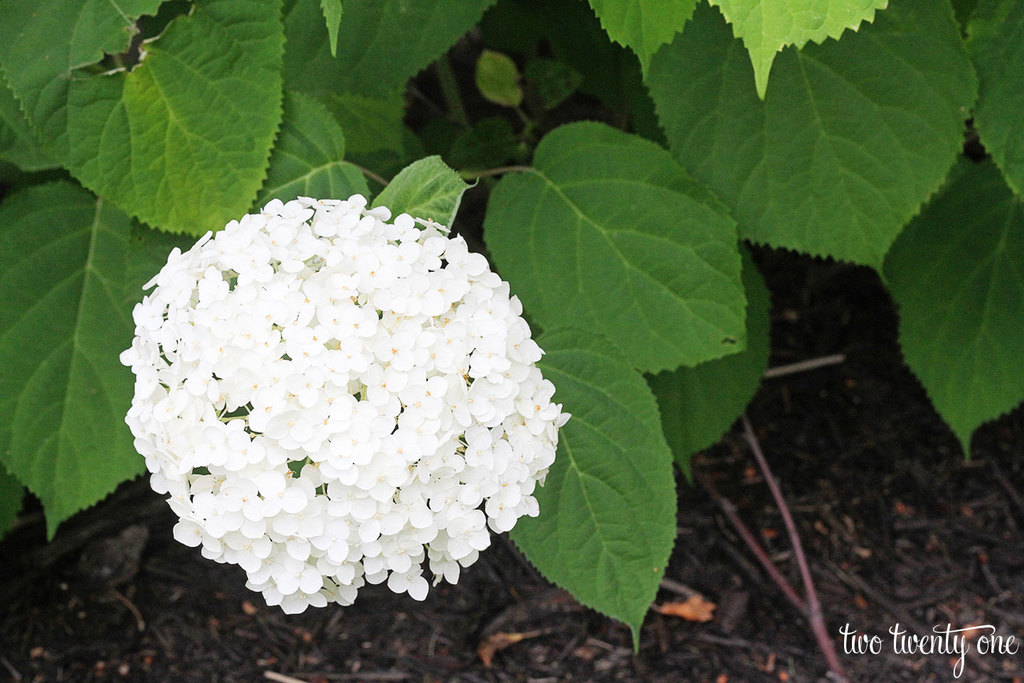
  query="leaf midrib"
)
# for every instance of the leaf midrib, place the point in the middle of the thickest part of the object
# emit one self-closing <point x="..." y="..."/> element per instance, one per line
<point x="76" y="354"/>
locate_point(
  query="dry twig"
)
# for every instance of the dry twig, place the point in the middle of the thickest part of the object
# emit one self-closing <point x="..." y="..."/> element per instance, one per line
<point x="805" y="365"/>
<point x="729" y="510"/>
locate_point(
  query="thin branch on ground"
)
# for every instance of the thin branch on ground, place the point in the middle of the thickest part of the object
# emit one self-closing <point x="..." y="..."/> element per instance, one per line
<point x="15" y="674"/>
<point x="359" y="676"/>
<point x="861" y="586"/>
<point x="1011" y="492"/>
<point x="814" y="613"/>
<point x="805" y="365"/>
<point x="679" y="588"/>
<point x="139" y="621"/>
<point x="729" y="510"/>
<point x="751" y="645"/>
<point x="281" y="678"/>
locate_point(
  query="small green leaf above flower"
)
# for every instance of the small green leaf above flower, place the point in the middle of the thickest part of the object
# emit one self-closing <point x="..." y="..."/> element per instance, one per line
<point x="426" y="189"/>
<point x="497" y="79"/>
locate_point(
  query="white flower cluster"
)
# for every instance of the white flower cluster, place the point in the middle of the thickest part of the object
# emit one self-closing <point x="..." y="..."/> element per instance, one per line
<point x="331" y="399"/>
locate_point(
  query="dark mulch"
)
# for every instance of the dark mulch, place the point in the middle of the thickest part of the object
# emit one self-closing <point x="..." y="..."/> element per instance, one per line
<point x="898" y="527"/>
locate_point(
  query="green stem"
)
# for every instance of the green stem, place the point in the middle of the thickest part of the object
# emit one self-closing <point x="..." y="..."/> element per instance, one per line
<point x="371" y="175"/>
<point x="450" y="90"/>
<point x="490" y="172"/>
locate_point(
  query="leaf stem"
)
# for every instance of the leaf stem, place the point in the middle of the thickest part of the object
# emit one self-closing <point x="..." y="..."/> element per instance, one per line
<point x="491" y="172"/>
<point x="371" y="175"/>
<point x="529" y="125"/>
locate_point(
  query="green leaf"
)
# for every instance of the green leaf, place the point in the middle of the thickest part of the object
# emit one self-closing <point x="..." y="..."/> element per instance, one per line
<point x="767" y="26"/>
<point x="18" y="142"/>
<point x="376" y="137"/>
<point x="425" y="189"/>
<point x="307" y="159"/>
<point x="182" y="141"/>
<point x="853" y="136"/>
<point x="569" y="32"/>
<point x="438" y="136"/>
<point x="641" y="25"/>
<point x="12" y="496"/>
<point x="497" y="79"/>
<point x="381" y="44"/>
<point x="608" y="233"/>
<point x="957" y="275"/>
<point x="63" y="392"/>
<point x="488" y="143"/>
<point x="553" y="80"/>
<point x="996" y="34"/>
<point x="607" y="510"/>
<point x="332" y="15"/>
<point x="43" y="42"/>
<point x="699" y="404"/>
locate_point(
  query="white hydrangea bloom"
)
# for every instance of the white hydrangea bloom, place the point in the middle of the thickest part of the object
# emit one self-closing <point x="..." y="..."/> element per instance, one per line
<point x="329" y="398"/>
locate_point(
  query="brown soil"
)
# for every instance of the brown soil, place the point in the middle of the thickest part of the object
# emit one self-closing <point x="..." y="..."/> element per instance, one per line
<point x="897" y="526"/>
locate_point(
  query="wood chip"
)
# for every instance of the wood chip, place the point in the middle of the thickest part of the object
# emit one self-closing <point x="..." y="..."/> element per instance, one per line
<point x="499" y="641"/>
<point x="694" y="608"/>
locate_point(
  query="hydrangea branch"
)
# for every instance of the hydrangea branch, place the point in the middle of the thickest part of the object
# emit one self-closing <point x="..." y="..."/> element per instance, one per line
<point x="813" y="606"/>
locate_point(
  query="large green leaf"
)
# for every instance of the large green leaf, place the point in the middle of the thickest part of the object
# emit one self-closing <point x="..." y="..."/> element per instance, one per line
<point x="608" y="233"/>
<point x="308" y="157"/>
<point x="381" y="44"/>
<point x="182" y="141"/>
<point x="699" y="404"/>
<point x="996" y="34"/>
<point x="376" y="137"/>
<point x="852" y="137"/>
<point x="607" y="510"/>
<point x="425" y="189"/>
<point x="44" y="41"/>
<point x="65" y="318"/>
<point x="641" y="25"/>
<point x="767" y="26"/>
<point x="19" y="144"/>
<point x="957" y="275"/>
